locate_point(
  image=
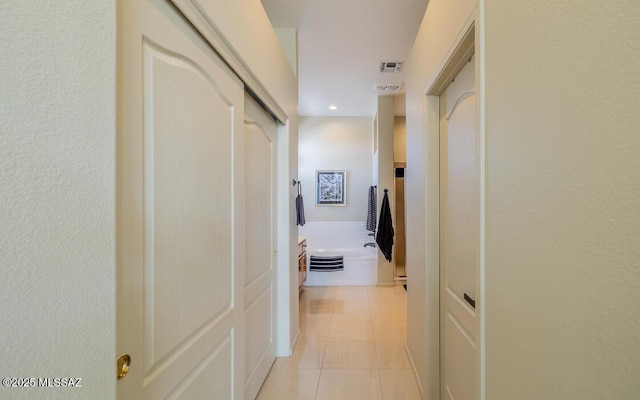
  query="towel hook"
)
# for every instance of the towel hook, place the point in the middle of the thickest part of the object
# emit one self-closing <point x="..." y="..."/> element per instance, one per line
<point x="295" y="182"/>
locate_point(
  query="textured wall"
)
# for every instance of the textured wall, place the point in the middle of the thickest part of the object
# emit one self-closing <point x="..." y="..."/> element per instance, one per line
<point x="399" y="139"/>
<point x="563" y="215"/>
<point x="288" y="38"/>
<point x="336" y="143"/>
<point x="57" y="251"/>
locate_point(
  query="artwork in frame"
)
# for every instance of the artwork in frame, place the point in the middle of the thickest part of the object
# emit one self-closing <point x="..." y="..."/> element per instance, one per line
<point x="331" y="188"/>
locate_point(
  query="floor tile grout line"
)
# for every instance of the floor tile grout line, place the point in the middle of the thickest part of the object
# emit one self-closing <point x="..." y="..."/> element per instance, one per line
<point x="318" y="385"/>
<point x="376" y="340"/>
<point x="375" y="344"/>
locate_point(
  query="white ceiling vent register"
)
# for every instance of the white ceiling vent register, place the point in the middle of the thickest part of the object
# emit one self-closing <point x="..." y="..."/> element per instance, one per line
<point x="390" y="66"/>
<point x="388" y="87"/>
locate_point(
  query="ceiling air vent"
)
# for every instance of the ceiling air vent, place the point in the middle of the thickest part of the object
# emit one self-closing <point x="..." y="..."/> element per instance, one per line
<point x="390" y="66"/>
<point x="387" y="87"/>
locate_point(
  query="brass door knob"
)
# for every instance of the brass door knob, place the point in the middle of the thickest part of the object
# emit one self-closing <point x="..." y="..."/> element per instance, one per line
<point x="124" y="362"/>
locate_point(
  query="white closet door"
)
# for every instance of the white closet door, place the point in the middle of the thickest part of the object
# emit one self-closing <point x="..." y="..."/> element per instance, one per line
<point x="260" y="273"/>
<point x="180" y="219"/>
<point x="459" y="236"/>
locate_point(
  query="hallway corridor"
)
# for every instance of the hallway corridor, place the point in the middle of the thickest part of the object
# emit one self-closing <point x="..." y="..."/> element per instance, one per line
<point x="351" y="346"/>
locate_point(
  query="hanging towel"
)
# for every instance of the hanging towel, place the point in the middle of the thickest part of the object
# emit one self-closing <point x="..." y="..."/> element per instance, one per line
<point x="300" y="208"/>
<point x="384" y="237"/>
<point x="371" y="210"/>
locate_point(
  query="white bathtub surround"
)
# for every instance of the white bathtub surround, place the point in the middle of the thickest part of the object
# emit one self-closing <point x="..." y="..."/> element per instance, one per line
<point x="340" y="238"/>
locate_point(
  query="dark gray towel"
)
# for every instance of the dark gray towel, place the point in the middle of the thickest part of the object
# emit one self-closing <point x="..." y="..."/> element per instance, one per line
<point x="371" y="210"/>
<point x="384" y="237"/>
<point x="300" y="211"/>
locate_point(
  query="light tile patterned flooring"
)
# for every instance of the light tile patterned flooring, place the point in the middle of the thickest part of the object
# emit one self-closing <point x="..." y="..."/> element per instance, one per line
<point x="351" y="346"/>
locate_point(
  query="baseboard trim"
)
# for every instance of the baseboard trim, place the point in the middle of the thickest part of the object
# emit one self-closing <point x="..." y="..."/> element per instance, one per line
<point x="294" y="343"/>
<point x="415" y="372"/>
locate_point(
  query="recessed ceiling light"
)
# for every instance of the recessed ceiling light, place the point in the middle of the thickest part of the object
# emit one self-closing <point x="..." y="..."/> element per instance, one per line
<point x="332" y="107"/>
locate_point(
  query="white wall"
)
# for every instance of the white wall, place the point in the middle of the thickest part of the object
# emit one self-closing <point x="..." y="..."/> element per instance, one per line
<point x="400" y="105"/>
<point x="442" y="23"/>
<point x="288" y="38"/>
<point x="57" y="164"/>
<point x="563" y="215"/>
<point x="336" y="143"/>
<point x="399" y="139"/>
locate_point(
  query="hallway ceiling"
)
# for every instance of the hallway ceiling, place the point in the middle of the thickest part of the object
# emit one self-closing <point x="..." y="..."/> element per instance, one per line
<point x="340" y="46"/>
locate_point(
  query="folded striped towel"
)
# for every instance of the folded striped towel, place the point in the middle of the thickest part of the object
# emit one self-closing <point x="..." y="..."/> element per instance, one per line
<point x="371" y="209"/>
<point x="326" y="263"/>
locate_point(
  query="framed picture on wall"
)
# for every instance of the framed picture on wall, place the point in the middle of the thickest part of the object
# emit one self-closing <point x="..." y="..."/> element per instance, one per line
<point x="331" y="188"/>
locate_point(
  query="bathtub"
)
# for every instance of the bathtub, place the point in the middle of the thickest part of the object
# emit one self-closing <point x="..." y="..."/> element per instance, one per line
<point x="345" y="239"/>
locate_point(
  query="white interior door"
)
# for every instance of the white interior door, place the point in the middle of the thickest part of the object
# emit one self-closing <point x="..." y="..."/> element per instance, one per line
<point x="260" y="272"/>
<point x="459" y="236"/>
<point x="180" y="219"/>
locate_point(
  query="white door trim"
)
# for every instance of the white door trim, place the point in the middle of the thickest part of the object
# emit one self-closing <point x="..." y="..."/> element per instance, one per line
<point x="469" y="41"/>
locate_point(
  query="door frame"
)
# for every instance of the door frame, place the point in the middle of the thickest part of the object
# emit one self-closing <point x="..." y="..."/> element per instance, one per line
<point x="469" y="41"/>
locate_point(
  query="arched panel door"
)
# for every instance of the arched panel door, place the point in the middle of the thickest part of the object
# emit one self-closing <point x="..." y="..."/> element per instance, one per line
<point x="459" y="236"/>
<point x="260" y="229"/>
<point x="180" y="217"/>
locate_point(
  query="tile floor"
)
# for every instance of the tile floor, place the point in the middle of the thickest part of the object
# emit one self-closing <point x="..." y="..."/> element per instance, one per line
<point x="351" y="346"/>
